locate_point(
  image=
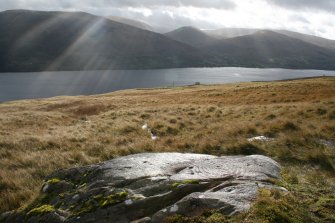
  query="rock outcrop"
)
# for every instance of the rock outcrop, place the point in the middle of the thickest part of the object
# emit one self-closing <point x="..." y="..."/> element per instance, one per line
<point x="149" y="188"/>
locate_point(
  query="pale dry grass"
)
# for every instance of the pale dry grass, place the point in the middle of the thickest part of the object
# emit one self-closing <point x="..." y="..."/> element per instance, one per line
<point x="40" y="136"/>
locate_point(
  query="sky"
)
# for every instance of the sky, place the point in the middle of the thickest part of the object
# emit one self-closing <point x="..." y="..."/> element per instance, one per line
<point x="315" y="17"/>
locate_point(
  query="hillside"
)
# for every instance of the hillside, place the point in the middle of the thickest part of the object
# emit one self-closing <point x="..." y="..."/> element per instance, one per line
<point x="260" y="48"/>
<point x="321" y="42"/>
<point x="271" y="49"/>
<point x="226" y="33"/>
<point x="192" y="36"/>
<point x="298" y="116"/>
<point x="37" y="41"/>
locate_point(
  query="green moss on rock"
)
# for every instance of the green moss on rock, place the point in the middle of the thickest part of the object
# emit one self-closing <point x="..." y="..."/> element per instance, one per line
<point x="41" y="200"/>
<point x="113" y="199"/>
<point x="86" y="207"/>
<point x="42" y="210"/>
<point x="177" y="184"/>
<point x="53" y="181"/>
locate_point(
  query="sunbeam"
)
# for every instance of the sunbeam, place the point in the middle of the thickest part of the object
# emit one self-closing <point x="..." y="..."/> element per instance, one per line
<point x="90" y="27"/>
<point x="39" y="29"/>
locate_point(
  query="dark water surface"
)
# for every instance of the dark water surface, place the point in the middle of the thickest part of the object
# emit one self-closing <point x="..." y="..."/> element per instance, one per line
<point x="15" y="86"/>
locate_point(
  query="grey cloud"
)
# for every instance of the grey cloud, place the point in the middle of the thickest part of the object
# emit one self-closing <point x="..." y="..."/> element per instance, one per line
<point x="221" y="4"/>
<point x="157" y="19"/>
<point x="164" y="21"/>
<point x="322" y="30"/>
<point x="298" y="18"/>
<point x="77" y="4"/>
<point x="325" y="5"/>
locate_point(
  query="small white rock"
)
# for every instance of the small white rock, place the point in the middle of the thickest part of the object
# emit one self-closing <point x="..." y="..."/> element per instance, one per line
<point x="260" y="138"/>
<point x="153" y="137"/>
<point x="145" y="126"/>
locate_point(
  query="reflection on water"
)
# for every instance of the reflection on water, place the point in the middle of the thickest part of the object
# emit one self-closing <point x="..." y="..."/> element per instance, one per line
<point x="15" y="86"/>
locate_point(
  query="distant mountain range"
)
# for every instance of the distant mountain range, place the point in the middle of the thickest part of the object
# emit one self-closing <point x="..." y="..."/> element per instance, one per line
<point x="183" y="34"/>
<point x="40" y="41"/>
<point x="261" y="48"/>
<point x="271" y="49"/>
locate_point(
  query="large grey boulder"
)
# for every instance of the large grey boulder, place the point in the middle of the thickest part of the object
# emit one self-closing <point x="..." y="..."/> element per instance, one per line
<point x="150" y="187"/>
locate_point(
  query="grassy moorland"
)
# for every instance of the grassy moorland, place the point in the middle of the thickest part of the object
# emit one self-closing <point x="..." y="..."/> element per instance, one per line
<point x="40" y="136"/>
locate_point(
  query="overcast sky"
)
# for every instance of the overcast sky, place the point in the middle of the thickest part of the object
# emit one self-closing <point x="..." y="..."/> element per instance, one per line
<point x="316" y="17"/>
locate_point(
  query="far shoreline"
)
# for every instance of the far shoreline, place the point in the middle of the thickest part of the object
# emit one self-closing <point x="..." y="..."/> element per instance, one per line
<point x="171" y="68"/>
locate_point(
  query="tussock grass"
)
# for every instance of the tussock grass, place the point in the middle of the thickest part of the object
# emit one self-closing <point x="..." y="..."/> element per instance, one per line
<point x="40" y="136"/>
